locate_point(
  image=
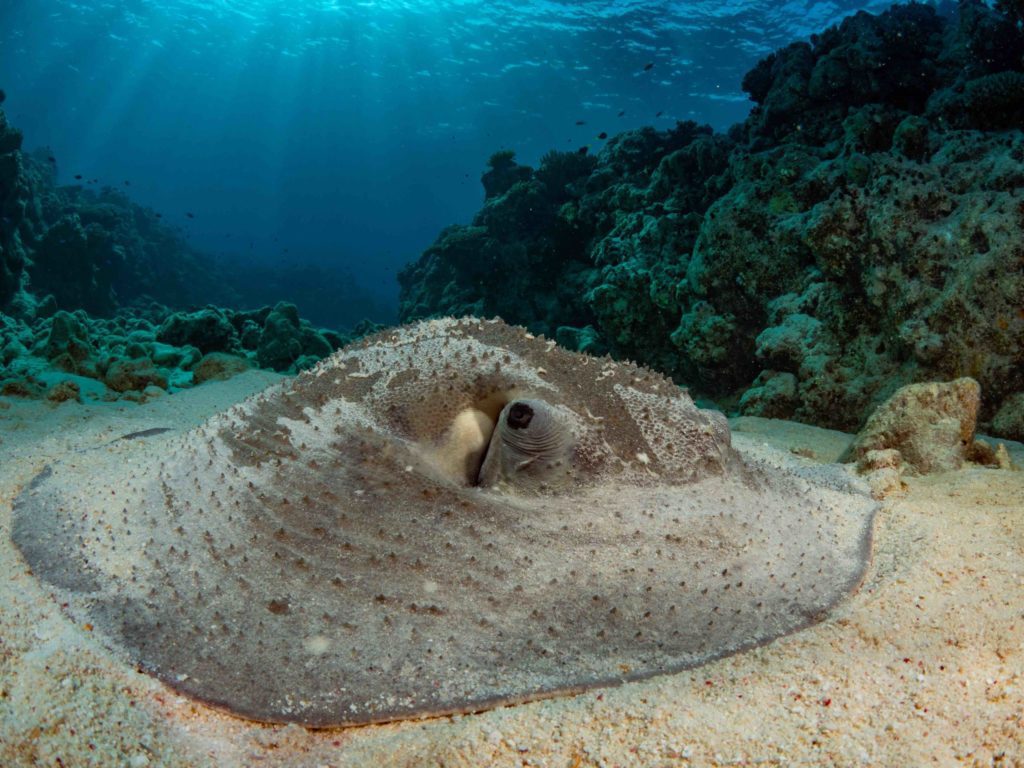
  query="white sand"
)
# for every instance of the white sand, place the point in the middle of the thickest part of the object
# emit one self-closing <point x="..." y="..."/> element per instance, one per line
<point x="924" y="666"/>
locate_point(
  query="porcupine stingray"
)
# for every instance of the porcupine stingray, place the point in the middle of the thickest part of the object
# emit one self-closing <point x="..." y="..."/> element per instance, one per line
<point x="441" y="518"/>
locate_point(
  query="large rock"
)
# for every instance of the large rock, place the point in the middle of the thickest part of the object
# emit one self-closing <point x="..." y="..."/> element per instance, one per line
<point x="1009" y="420"/>
<point x="218" y="366"/>
<point x="931" y="425"/>
<point x="209" y="330"/>
<point x="288" y="343"/>
<point x="68" y="336"/>
<point x="134" y="375"/>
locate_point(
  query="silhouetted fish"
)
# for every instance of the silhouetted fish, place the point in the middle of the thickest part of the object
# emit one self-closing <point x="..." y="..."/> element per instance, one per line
<point x="648" y="66"/>
<point x="581" y="122"/>
<point x="159" y="215"/>
<point x="3" y="97"/>
<point x="583" y="150"/>
<point x="52" y="159"/>
<point x="78" y="176"/>
<point x="127" y="183"/>
<point x="622" y="112"/>
<point x="659" y="113"/>
<point x="190" y="214"/>
<point x="602" y="135"/>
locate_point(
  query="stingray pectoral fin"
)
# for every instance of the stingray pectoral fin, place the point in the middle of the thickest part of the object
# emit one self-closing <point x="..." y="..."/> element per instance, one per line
<point x="39" y="513"/>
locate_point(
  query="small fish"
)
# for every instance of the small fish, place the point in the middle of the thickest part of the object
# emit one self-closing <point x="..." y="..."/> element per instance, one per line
<point x="159" y="215"/>
<point x="622" y="112"/>
<point x="190" y="214"/>
<point x="648" y="66"/>
<point x="78" y="177"/>
<point x="602" y="135"/>
<point x="52" y="159"/>
<point x="583" y="150"/>
<point x="127" y="183"/>
<point x="3" y="97"/>
<point x="659" y="113"/>
<point x="581" y="122"/>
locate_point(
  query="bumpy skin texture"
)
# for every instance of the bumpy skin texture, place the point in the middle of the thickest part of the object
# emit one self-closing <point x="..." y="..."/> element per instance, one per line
<point x="823" y="254"/>
<point x="342" y="529"/>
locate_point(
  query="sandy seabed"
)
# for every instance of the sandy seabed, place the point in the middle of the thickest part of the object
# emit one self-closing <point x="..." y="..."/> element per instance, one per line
<point x="924" y="666"/>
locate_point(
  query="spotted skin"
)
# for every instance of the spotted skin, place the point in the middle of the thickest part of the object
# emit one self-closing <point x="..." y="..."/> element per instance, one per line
<point x="337" y="550"/>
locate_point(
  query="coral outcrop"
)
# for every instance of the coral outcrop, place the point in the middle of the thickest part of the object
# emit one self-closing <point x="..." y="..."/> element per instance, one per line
<point x="71" y="247"/>
<point x="929" y="425"/>
<point x="100" y="299"/>
<point x="858" y="232"/>
<point x="145" y="348"/>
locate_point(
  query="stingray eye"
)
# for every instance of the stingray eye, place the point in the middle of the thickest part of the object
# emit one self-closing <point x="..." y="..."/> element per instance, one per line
<point x="520" y="415"/>
<point x="532" y="429"/>
<point x="530" y="449"/>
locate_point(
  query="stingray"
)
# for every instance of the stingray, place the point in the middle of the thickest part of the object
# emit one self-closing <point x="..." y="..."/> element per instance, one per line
<point x="441" y="518"/>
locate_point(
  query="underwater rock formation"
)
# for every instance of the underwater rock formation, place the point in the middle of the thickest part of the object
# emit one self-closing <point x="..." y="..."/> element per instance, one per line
<point x="14" y="196"/>
<point x="86" y="278"/>
<point x="153" y="346"/>
<point x="858" y="232"/>
<point x="1009" y="421"/>
<point x="219" y="366"/>
<point x="71" y="247"/>
<point x="287" y="342"/>
<point x="930" y="426"/>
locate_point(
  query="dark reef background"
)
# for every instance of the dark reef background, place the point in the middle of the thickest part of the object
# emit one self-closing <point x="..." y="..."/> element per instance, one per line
<point x="862" y="229"/>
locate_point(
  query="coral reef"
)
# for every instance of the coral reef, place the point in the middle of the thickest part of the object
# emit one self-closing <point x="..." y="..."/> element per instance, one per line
<point x="100" y="299"/>
<point x="858" y="232"/>
<point x="14" y="196"/>
<point x="71" y="247"/>
<point x="143" y="352"/>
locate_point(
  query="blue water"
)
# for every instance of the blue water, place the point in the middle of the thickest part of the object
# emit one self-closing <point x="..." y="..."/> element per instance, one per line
<point x="350" y="133"/>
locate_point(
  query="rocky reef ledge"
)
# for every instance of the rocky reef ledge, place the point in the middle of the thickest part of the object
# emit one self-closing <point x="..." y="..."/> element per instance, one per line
<point x="100" y="299"/>
<point x="146" y="351"/>
<point x="860" y="231"/>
